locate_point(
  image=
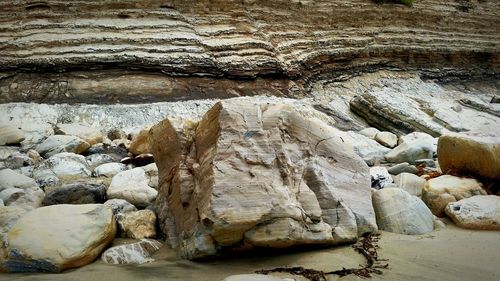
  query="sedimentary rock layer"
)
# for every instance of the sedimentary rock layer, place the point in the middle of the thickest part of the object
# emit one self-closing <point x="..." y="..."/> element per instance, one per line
<point x="129" y="51"/>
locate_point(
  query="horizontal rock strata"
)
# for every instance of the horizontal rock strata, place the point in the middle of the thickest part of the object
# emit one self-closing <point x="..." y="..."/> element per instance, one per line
<point x="74" y="50"/>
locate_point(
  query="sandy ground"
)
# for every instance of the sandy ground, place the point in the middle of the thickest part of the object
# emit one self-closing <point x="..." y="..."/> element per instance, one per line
<point x="448" y="254"/>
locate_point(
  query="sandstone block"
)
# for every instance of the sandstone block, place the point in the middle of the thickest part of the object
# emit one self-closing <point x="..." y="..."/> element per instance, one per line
<point x="138" y="224"/>
<point x="252" y="175"/>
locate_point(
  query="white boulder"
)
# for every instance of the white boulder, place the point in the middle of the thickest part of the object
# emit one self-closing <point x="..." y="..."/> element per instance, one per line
<point x="412" y="147"/>
<point x="135" y="253"/>
<point x="109" y="169"/>
<point x="132" y="185"/>
<point x="478" y="212"/>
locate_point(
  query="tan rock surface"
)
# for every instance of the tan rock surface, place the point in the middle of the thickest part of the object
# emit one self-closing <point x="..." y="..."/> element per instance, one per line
<point x="470" y="154"/>
<point x="412" y="147"/>
<point x="10" y="135"/>
<point x="247" y="170"/>
<point x="138" y="224"/>
<point x="19" y="190"/>
<point x="241" y="43"/>
<point x="411" y="183"/>
<point x="132" y="185"/>
<point x="140" y="144"/>
<point x="8" y="218"/>
<point x="440" y="191"/>
<point x="54" y="238"/>
<point x="387" y="139"/>
<point x="61" y="143"/>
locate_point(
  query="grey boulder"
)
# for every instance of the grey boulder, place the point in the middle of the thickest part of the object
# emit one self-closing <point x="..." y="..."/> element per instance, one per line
<point x="399" y="212"/>
<point x="76" y="193"/>
<point x="61" y="143"/>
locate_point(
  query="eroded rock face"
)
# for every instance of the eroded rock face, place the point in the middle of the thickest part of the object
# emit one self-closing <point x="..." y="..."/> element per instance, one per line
<point x="257" y="175"/>
<point x="237" y="39"/>
<point x="54" y="238"/>
<point x="380" y="177"/>
<point x="21" y="197"/>
<point x="366" y="148"/>
<point x="387" y="139"/>
<point x="151" y="171"/>
<point x="8" y="218"/>
<point x="120" y="206"/>
<point x="413" y="105"/>
<point x="465" y="154"/>
<point x="478" y="212"/>
<point x="369" y="132"/>
<point x="109" y="169"/>
<point x="61" y="166"/>
<point x="410" y="183"/>
<point x="11" y="179"/>
<point x="404" y="167"/>
<point x="95" y="160"/>
<point x="140" y="144"/>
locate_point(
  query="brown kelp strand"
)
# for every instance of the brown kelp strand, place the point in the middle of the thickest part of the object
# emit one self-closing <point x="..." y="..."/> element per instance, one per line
<point x="366" y="246"/>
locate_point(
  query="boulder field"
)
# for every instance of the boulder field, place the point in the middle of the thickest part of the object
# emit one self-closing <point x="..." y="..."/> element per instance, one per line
<point x="222" y="127"/>
<point x="241" y="174"/>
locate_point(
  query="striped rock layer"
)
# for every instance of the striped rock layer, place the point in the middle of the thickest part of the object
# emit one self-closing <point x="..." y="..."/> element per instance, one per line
<point x="130" y="51"/>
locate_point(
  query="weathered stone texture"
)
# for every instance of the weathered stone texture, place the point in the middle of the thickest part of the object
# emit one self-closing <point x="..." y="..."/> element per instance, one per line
<point x="292" y="42"/>
<point x="252" y="175"/>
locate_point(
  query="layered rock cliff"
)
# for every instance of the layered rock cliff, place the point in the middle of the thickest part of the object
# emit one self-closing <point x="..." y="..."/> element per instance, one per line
<point x="129" y="51"/>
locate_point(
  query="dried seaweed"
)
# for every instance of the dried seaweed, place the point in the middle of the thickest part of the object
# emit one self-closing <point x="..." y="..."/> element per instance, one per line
<point x="366" y="246"/>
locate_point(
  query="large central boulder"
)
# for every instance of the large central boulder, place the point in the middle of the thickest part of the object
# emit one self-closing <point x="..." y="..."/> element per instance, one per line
<point x="250" y="175"/>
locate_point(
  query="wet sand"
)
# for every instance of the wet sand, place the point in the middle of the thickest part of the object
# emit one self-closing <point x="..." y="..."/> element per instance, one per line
<point x="448" y="254"/>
